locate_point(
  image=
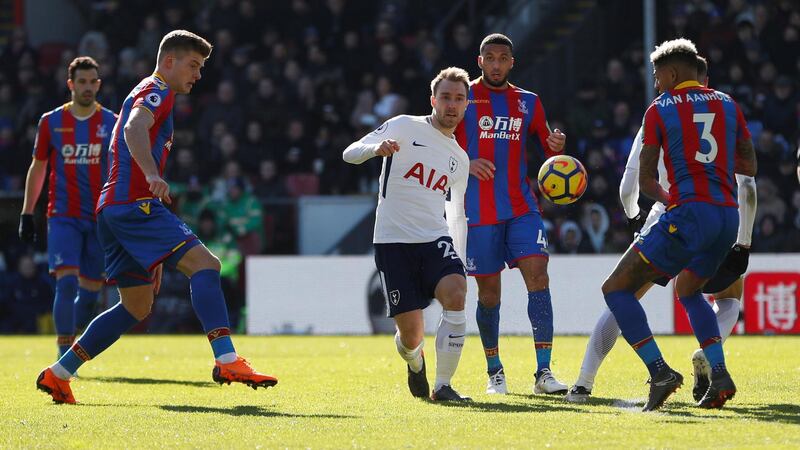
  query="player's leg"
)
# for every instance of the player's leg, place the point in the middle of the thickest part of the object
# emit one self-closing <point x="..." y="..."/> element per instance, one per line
<point x="136" y="292"/>
<point x="485" y="262"/>
<point x="64" y="242"/>
<point x="630" y="274"/>
<point x="451" y="291"/>
<point x="526" y="248"/>
<point x="601" y="341"/>
<point x="208" y="301"/>
<point x="136" y="300"/>
<point x="726" y="307"/>
<point x="63" y="307"/>
<point x="726" y="286"/>
<point x="90" y="281"/>
<point x="399" y="270"/>
<point x="688" y="287"/>
<point x="409" y="340"/>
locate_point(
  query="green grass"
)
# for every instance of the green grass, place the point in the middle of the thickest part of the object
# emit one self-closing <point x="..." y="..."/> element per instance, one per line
<point x="338" y="392"/>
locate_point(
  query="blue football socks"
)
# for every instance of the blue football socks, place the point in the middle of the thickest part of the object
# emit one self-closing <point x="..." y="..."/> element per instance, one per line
<point x="209" y="305"/>
<point x="489" y="327"/>
<point x="85" y="306"/>
<point x="103" y="331"/>
<point x="706" y="329"/>
<point x="64" y="311"/>
<point x="540" y="313"/>
<point x="632" y="320"/>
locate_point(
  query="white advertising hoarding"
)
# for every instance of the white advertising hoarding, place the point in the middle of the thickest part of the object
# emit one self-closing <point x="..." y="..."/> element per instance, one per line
<point x="329" y="295"/>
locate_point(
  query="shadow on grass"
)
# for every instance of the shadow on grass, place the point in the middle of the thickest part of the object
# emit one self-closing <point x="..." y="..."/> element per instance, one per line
<point x="533" y="407"/>
<point x="248" y="410"/>
<point x="769" y="412"/>
<point x="776" y="412"/>
<point x="130" y="380"/>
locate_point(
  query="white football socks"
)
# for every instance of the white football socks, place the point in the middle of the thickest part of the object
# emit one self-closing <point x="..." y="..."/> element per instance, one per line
<point x="449" y="344"/>
<point x="727" y="310"/>
<point x="60" y="371"/>
<point x="604" y="336"/>
<point x="411" y="356"/>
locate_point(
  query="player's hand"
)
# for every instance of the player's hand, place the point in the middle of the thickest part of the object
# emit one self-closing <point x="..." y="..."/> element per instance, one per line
<point x="482" y="169"/>
<point x="27" y="229"/>
<point x="157" y="272"/>
<point x="159" y="188"/>
<point x="737" y="260"/>
<point x="557" y="140"/>
<point x="387" y="148"/>
<point x="635" y="224"/>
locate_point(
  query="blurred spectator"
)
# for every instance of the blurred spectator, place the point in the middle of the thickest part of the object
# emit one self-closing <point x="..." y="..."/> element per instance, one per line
<point x="595" y="225"/>
<point x="269" y="185"/>
<point x="28" y="298"/>
<point x="240" y="214"/>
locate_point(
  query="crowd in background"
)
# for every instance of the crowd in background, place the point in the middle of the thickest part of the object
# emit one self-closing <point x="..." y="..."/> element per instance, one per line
<point x="290" y="84"/>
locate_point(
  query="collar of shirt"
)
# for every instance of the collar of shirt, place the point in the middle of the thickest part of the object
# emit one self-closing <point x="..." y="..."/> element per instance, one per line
<point x="688" y="84"/>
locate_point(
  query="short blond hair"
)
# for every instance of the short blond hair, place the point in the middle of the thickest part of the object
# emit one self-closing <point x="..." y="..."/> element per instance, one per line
<point x="451" y="74"/>
<point x="677" y="50"/>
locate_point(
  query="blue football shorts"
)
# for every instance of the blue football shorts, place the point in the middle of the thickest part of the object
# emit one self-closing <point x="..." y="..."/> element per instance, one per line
<point x="694" y="236"/>
<point x="73" y="243"/>
<point x="138" y="236"/>
<point x="491" y="247"/>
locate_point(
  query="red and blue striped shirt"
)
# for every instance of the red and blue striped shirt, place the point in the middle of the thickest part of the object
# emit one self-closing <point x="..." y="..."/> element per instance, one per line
<point x="496" y="127"/>
<point x="126" y="181"/>
<point x="76" y="151"/>
<point x="698" y="129"/>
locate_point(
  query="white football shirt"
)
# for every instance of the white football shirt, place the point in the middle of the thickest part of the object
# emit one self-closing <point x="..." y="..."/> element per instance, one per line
<point x="415" y="181"/>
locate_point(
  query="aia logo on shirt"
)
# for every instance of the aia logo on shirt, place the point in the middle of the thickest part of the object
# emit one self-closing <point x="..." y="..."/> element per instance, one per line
<point x="426" y="178"/>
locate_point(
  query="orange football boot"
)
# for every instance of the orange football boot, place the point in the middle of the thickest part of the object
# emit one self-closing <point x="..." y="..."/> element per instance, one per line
<point x="240" y="371"/>
<point x="57" y="388"/>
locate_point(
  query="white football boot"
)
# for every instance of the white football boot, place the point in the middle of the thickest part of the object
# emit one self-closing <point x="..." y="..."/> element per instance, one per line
<point x="497" y="383"/>
<point x="702" y="374"/>
<point x="546" y="383"/>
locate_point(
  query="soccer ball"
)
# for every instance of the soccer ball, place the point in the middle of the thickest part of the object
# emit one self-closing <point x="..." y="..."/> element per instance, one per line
<point x="562" y="179"/>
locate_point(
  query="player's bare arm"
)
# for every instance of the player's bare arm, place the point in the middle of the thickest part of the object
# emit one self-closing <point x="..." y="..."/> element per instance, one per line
<point x="33" y="184"/>
<point x="648" y="174"/>
<point x="745" y="163"/>
<point x="137" y="137"/>
<point x="557" y="140"/>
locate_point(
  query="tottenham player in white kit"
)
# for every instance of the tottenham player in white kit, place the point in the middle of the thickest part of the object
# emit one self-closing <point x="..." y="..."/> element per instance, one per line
<point x="726" y="285"/>
<point x="415" y="254"/>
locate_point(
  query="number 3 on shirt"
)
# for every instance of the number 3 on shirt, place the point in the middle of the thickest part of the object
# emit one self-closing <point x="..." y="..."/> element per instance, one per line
<point x="707" y="119"/>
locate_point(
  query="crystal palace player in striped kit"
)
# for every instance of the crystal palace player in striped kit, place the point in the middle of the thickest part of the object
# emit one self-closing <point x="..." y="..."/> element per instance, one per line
<point x="73" y="140"/>
<point x="139" y="233"/>
<point x="505" y="226"/>
<point x="726" y="285"/>
<point x="705" y="141"/>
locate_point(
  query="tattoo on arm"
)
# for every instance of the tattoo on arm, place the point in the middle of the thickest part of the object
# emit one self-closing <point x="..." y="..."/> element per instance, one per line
<point x="746" y="158"/>
<point x="648" y="173"/>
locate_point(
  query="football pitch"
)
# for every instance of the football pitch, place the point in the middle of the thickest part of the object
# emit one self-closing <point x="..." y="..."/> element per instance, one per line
<point x="350" y="392"/>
